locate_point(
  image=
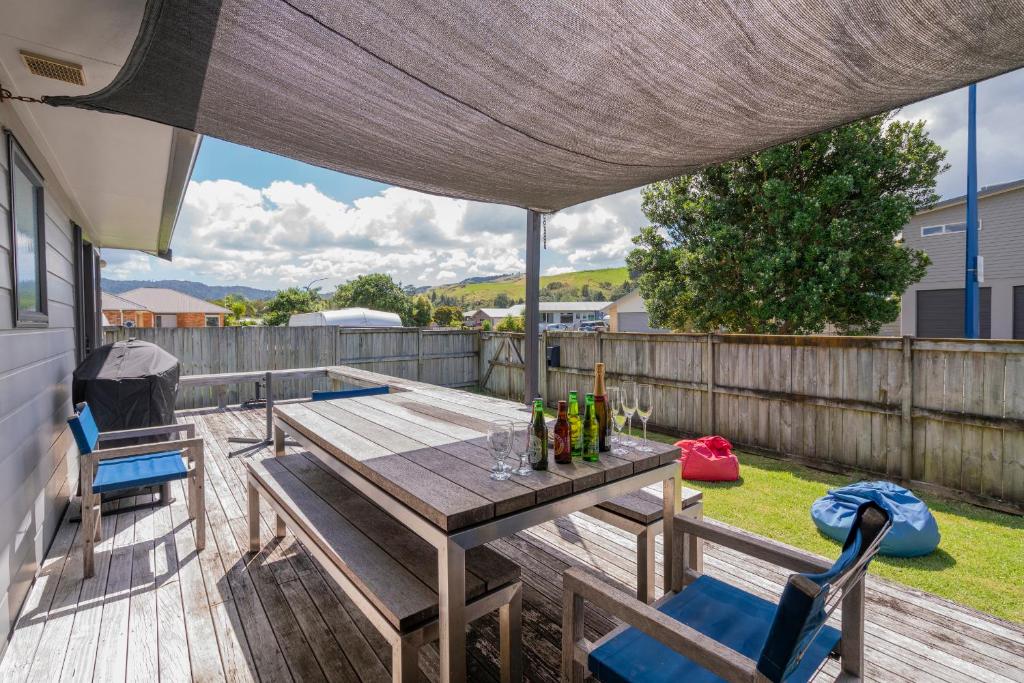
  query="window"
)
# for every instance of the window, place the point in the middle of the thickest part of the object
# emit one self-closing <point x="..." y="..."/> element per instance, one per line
<point x="28" y="238"/>
<point x="212" y="321"/>
<point x="947" y="229"/>
<point x="932" y="230"/>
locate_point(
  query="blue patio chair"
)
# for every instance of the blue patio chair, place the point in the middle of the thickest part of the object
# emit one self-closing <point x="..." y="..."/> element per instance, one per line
<point x="349" y="393"/>
<point x="710" y="630"/>
<point x="113" y="469"/>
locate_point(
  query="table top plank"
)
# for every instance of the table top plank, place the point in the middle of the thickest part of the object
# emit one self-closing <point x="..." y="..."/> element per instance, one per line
<point x="394" y="434"/>
<point x="447" y="505"/>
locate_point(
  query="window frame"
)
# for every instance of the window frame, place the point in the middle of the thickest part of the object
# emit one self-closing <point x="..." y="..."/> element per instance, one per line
<point x="17" y="157"/>
<point x="214" y="316"/>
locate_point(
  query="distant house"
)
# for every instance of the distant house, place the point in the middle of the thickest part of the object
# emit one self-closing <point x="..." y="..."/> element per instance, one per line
<point x="934" y="307"/>
<point x="121" y="312"/>
<point x="629" y="314"/>
<point x="156" y="307"/>
<point x="492" y="315"/>
<point x="565" y="312"/>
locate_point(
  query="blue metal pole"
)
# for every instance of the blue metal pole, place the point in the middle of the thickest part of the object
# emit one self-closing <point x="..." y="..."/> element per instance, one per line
<point x="972" y="295"/>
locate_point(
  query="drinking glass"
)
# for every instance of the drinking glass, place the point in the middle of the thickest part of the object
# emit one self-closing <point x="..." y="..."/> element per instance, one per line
<point x="629" y="404"/>
<point x="618" y="420"/>
<point x="521" y="445"/>
<point x="644" y="406"/>
<point x="499" y="439"/>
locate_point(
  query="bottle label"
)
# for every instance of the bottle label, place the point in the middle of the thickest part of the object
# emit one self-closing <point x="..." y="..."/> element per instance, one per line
<point x="562" y="446"/>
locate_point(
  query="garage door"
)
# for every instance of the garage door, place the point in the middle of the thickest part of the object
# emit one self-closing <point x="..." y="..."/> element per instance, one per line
<point x="940" y="313"/>
<point x="1018" y="312"/>
<point x="636" y="322"/>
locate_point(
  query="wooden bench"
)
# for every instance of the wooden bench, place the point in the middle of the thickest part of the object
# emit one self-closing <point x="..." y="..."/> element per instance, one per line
<point x="386" y="570"/>
<point x="640" y="513"/>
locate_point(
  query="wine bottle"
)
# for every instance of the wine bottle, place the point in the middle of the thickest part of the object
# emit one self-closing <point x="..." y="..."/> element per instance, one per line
<point x="539" y="437"/>
<point x="575" y="426"/>
<point x="591" y="443"/>
<point x="563" y="443"/>
<point x="601" y="407"/>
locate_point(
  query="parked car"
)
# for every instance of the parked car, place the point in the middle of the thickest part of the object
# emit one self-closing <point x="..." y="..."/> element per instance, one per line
<point x="555" y="327"/>
<point x="593" y="326"/>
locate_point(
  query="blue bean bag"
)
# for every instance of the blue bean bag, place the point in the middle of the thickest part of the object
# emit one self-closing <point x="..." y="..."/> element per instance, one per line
<point x="914" y="531"/>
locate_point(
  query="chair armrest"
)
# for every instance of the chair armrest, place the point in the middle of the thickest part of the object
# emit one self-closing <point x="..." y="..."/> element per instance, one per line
<point x="754" y="546"/>
<point x="187" y="427"/>
<point x="717" y="658"/>
<point x="193" y="445"/>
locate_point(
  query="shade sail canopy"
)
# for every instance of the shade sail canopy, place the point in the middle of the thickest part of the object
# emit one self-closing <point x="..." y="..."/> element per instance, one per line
<point x="544" y="103"/>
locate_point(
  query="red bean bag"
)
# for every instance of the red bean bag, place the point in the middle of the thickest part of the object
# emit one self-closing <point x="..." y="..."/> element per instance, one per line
<point x="708" y="458"/>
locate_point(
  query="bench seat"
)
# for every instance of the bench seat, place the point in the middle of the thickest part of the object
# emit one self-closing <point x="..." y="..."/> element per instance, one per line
<point x="644" y="507"/>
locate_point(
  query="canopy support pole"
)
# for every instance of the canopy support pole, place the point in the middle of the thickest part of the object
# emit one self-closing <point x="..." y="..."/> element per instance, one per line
<point x="532" y="350"/>
<point x="972" y="298"/>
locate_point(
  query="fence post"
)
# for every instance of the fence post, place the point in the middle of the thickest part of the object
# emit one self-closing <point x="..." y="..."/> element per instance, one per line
<point x="709" y="374"/>
<point x="419" y="354"/>
<point x="905" y="465"/>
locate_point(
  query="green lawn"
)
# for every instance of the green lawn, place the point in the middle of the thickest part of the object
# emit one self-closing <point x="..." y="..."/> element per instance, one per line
<point x="979" y="563"/>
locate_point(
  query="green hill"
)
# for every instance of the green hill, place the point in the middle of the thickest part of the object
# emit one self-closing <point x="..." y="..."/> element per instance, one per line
<point x="586" y="285"/>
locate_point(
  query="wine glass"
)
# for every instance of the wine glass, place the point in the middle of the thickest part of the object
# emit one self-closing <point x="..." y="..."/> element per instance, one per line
<point x="521" y="445"/>
<point x="629" y="404"/>
<point x="644" y="406"/>
<point x="499" y="439"/>
<point x="618" y="419"/>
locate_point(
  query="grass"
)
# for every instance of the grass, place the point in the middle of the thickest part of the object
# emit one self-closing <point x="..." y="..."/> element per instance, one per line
<point x="483" y="293"/>
<point x="979" y="562"/>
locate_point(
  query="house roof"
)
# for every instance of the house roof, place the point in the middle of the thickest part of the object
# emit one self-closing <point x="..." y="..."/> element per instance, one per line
<point x="986" y="191"/>
<point x="161" y="300"/>
<point x="563" y="306"/>
<point x="115" y="302"/>
<point x="497" y="312"/>
<point x="470" y="100"/>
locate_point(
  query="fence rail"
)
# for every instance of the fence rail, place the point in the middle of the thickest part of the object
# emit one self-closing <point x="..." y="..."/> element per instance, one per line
<point x="938" y="413"/>
<point x="445" y="357"/>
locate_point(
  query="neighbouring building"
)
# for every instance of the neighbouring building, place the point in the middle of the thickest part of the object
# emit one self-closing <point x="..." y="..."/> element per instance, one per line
<point x="166" y="308"/>
<point x="72" y="182"/>
<point x="481" y="315"/>
<point x="120" y="312"/>
<point x="565" y="312"/>
<point x="934" y="307"/>
<point x="629" y="314"/>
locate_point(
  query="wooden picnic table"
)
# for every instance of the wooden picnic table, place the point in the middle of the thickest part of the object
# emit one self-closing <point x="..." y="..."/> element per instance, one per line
<point x="421" y="454"/>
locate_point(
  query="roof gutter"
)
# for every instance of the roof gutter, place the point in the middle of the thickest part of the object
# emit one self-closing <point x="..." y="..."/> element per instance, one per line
<point x="184" y="150"/>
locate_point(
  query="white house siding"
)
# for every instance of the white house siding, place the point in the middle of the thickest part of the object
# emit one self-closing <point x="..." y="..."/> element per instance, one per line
<point x="1001" y="243"/>
<point x="38" y="461"/>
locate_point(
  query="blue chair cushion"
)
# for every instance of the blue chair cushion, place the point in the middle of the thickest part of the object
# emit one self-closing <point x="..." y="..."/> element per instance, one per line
<point x="348" y="393"/>
<point x="84" y="428"/>
<point x="727" y="614"/>
<point x="138" y="470"/>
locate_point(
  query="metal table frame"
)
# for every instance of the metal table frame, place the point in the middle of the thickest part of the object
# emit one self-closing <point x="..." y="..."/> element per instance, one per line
<point x="452" y="546"/>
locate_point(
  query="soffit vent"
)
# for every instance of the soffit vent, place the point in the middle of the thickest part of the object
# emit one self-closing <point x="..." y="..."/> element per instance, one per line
<point x="57" y="69"/>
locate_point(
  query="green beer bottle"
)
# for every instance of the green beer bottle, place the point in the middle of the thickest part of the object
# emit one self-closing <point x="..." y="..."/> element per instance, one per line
<point x="539" y="437"/>
<point x="575" y="426"/>
<point x="591" y="432"/>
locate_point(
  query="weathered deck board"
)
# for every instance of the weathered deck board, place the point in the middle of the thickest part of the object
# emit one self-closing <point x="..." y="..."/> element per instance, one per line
<point x="155" y="606"/>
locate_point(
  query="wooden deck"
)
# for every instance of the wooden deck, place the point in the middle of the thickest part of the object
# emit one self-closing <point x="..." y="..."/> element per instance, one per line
<point x="158" y="611"/>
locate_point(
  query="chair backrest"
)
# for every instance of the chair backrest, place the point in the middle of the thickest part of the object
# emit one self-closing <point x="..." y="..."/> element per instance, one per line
<point x="803" y="608"/>
<point x="84" y="428"/>
<point x="348" y="393"/>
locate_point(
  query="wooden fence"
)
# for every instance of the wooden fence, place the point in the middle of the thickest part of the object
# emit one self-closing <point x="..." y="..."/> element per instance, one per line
<point x="938" y="413"/>
<point x="446" y="357"/>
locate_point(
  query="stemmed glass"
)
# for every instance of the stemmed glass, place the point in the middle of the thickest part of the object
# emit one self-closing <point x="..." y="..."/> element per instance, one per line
<point x="645" y="406"/>
<point x="618" y="418"/>
<point x="629" y="405"/>
<point x="521" y="444"/>
<point x="499" y="439"/>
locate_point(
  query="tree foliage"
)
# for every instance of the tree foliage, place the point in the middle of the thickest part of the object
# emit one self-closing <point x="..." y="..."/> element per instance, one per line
<point x="422" y="311"/>
<point x="289" y="301"/>
<point x="791" y="239"/>
<point x="513" y="323"/>
<point x="377" y="291"/>
<point x="448" y="316"/>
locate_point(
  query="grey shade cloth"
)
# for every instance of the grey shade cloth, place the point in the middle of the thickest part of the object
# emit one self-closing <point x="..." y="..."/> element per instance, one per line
<point x="544" y="103"/>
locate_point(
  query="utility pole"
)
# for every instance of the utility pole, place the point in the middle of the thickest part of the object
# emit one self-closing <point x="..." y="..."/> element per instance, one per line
<point x="972" y="293"/>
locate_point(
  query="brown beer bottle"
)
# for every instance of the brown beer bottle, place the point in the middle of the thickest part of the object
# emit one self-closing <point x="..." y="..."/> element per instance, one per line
<point x="563" y="437"/>
<point x="604" y="422"/>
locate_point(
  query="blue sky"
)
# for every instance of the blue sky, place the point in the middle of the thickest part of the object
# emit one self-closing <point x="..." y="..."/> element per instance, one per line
<point x="257" y="219"/>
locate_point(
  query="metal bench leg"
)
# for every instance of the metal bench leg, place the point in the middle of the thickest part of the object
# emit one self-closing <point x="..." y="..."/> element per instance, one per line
<point x="511" y="626"/>
<point x="254" y="519"/>
<point x="405" y="664"/>
<point x="645" y="560"/>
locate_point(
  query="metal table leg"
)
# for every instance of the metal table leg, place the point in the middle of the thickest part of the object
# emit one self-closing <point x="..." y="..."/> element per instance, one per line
<point x="451" y="594"/>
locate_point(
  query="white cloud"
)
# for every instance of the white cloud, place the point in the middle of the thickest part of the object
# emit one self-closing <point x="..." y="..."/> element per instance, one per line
<point x="558" y="270"/>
